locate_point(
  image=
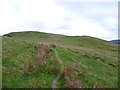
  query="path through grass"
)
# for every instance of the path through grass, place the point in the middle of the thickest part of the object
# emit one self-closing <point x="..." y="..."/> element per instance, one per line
<point x="59" y="75"/>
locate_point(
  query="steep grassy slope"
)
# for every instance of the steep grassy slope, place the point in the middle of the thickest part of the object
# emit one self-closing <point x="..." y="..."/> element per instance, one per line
<point x="75" y="61"/>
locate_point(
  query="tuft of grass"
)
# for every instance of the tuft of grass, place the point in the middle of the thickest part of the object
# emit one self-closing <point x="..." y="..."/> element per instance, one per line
<point x="41" y="54"/>
<point x="25" y="69"/>
<point x="71" y="77"/>
<point x="32" y="64"/>
<point x="54" y="60"/>
<point x="34" y="83"/>
<point x="52" y="45"/>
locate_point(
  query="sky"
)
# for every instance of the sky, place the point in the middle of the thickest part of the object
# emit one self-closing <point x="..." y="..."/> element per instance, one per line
<point x="68" y="17"/>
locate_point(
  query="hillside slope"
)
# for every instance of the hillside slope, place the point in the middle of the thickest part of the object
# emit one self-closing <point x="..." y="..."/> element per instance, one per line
<point x="35" y="59"/>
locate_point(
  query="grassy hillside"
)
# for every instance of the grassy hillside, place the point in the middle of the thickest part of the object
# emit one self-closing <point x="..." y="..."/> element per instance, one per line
<point x="35" y="59"/>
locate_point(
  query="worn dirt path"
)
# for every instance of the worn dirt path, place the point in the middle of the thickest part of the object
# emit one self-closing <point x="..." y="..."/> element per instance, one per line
<point x="58" y="77"/>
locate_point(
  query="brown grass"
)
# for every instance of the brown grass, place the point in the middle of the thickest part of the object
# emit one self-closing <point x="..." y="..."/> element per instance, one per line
<point x="42" y="51"/>
<point x="72" y="84"/>
<point x="25" y="69"/>
<point x="54" y="60"/>
<point x="32" y="64"/>
<point x="67" y="70"/>
<point x="52" y="45"/>
<point x="70" y="76"/>
<point x="52" y="69"/>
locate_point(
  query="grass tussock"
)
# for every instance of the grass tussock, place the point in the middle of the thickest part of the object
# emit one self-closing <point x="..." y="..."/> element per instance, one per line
<point x="43" y="54"/>
<point x="42" y="51"/>
<point x="34" y="83"/>
<point x="71" y="77"/>
<point x="53" y="69"/>
<point x="53" y="45"/>
<point x="32" y="64"/>
<point x="25" y="69"/>
<point x="55" y="60"/>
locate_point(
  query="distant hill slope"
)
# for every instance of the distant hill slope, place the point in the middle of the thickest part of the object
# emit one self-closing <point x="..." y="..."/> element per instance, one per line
<point x="115" y="41"/>
<point x="44" y="60"/>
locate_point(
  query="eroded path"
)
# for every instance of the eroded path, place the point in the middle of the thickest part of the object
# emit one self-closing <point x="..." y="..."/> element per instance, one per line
<point x="58" y="77"/>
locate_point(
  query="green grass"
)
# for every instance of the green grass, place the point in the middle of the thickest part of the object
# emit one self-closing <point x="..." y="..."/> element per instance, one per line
<point x="97" y="71"/>
<point x="96" y="59"/>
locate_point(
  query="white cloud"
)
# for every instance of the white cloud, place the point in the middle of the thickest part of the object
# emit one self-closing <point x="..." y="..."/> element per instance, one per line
<point x="87" y="0"/>
<point x="110" y="22"/>
<point x="52" y="16"/>
<point x="45" y="11"/>
<point x="8" y="17"/>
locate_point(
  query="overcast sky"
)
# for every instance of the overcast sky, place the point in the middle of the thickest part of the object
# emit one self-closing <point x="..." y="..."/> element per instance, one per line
<point x="69" y="17"/>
